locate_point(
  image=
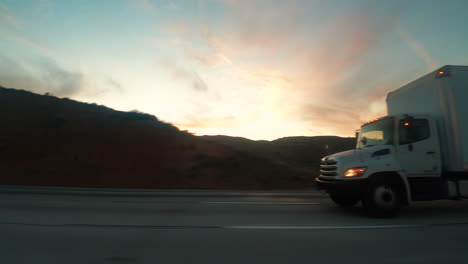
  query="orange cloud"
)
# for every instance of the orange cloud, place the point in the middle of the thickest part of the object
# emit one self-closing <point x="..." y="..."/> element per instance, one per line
<point x="316" y="75"/>
<point x="195" y="122"/>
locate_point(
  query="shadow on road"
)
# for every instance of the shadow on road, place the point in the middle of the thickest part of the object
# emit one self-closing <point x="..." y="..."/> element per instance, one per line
<point x="434" y="212"/>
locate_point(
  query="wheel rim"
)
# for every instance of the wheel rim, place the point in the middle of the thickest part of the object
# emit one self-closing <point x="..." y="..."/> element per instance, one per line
<point x="384" y="196"/>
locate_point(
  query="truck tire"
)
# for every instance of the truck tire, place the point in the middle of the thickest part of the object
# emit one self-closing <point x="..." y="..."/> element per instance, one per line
<point x="345" y="201"/>
<point x="383" y="198"/>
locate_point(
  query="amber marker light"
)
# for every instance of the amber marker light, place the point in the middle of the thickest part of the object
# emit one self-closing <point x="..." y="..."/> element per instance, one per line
<point x="355" y="172"/>
<point x="442" y="73"/>
<point x="372" y="121"/>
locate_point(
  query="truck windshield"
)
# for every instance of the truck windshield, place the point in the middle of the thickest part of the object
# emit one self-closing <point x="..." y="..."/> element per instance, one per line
<point x="376" y="133"/>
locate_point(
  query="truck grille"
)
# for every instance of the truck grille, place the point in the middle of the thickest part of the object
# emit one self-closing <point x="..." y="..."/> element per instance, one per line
<point x="328" y="168"/>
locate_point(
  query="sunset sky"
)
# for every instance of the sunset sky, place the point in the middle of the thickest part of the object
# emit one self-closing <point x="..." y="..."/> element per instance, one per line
<point x="256" y="69"/>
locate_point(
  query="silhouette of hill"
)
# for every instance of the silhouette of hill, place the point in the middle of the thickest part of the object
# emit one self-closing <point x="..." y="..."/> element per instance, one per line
<point x="50" y="141"/>
<point x="299" y="152"/>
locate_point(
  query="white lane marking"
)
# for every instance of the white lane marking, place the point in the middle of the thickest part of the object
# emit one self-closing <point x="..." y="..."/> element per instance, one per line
<point x="217" y="202"/>
<point x="322" y="227"/>
<point x="235" y="227"/>
<point x="266" y="203"/>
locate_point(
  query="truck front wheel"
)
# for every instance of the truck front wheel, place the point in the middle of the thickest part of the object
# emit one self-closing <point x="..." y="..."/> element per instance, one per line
<point x="345" y="200"/>
<point x="383" y="198"/>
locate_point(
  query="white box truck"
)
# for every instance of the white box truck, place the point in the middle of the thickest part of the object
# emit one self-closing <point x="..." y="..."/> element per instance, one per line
<point x="418" y="152"/>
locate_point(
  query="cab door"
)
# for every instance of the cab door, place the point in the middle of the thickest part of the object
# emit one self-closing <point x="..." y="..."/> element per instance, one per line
<point x="418" y="147"/>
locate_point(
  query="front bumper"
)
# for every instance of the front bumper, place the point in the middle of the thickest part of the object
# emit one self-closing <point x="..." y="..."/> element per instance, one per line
<point x="342" y="187"/>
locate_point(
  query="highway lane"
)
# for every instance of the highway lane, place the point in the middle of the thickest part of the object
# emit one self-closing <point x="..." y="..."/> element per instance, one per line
<point x="44" y="225"/>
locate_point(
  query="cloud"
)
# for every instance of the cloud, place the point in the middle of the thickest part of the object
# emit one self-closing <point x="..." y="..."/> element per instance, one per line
<point x="259" y="26"/>
<point x="60" y="81"/>
<point x="115" y="85"/>
<point x="208" y="54"/>
<point x="44" y="75"/>
<point x="418" y="48"/>
<point x="172" y="4"/>
<point x="40" y="75"/>
<point x="7" y="16"/>
<point x="178" y="28"/>
<point x="197" y="122"/>
<point x="10" y="29"/>
<point x="28" y="42"/>
<point x="12" y="23"/>
<point x="185" y="74"/>
<point x="151" y="6"/>
<point x="190" y="76"/>
<point x="146" y="5"/>
<point x="319" y="73"/>
<point x="328" y="117"/>
<point x="207" y="58"/>
<point x="325" y="72"/>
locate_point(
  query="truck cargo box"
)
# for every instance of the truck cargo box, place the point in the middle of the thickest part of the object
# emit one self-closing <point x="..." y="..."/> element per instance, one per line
<point x="442" y="94"/>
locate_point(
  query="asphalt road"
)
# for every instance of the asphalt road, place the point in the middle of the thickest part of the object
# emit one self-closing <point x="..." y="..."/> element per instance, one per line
<point x="49" y="225"/>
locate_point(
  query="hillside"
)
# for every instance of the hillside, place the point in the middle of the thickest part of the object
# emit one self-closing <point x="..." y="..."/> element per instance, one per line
<point x="53" y="141"/>
<point x="298" y="152"/>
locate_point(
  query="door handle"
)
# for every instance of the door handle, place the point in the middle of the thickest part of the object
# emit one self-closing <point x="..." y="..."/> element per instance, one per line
<point x="430" y="152"/>
<point x="410" y="147"/>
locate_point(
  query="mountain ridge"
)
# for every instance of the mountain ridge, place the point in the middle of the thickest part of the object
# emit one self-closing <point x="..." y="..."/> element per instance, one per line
<point x="50" y="141"/>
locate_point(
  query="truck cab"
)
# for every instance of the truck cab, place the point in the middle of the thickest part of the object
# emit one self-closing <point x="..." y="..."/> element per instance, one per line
<point x="418" y="152"/>
<point x="397" y="160"/>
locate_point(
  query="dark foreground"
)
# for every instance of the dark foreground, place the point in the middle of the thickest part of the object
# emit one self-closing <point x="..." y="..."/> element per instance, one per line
<point x="41" y="225"/>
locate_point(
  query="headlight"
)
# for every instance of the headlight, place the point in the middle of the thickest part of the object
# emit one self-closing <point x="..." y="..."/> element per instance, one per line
<point x="355" y="172"/>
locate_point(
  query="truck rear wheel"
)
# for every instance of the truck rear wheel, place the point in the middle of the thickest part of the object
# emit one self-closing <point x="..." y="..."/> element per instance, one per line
<point x="345" y="201"/>
<point x="383" y="198"/>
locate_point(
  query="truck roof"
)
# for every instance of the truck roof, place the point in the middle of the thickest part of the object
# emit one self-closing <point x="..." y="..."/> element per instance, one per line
<point x="446" y="69"/>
